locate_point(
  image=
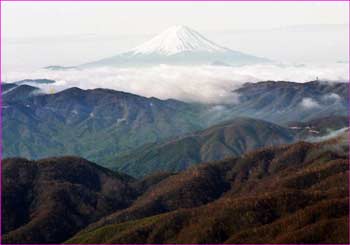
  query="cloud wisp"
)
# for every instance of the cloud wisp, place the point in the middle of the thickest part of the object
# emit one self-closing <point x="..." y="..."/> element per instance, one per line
<point x="309" y="103"/>
<point x="330" y="135"/>
<point x="332" y="97"/>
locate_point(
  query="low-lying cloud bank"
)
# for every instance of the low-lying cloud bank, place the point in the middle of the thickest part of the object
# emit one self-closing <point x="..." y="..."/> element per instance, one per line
<point x="205" y="84"/>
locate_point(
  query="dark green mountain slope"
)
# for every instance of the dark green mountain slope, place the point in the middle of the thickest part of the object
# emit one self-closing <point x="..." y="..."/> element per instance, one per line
<point x="228" y="139"/>
<point x="99" y="124"/>
<point x="14" y="92"/>
<point x="319" y="126"/>
<point x="282" y="102"/>
<point x="90" y="123"/>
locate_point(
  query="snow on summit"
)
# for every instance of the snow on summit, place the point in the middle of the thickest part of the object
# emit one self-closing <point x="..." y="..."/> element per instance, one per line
<point x="178" y="45"/>
<point x="175" y="40"/>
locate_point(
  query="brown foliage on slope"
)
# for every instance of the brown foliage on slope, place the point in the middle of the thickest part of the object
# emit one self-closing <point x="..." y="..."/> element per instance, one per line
<point x="288" y="194"/>
<point x="49" y="200"/>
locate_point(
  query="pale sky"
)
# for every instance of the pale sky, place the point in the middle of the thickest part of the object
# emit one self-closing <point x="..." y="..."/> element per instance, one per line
<point x="38" y="34"/>
<point x="33" y="19"/>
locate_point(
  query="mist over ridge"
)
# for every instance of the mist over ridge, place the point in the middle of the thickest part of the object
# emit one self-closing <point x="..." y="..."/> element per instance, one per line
<point x="206" y="84"/>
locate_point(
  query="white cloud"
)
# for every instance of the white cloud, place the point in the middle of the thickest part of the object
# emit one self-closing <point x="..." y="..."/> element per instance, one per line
<point x="333" y="97"/>
<point x="309" y="103"/>
<point x="208" y="84"/>
<point x="331" y="135"/>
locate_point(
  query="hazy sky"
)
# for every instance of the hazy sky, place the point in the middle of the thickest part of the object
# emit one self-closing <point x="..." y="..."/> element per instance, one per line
<point x="32" y="19"/>
<point x="37" y="34"/>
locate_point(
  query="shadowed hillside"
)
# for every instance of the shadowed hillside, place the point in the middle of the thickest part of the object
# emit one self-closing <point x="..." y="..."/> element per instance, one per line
<point x="47" y="201"/>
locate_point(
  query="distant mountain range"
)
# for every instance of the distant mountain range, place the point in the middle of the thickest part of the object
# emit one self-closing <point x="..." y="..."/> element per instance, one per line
<point x="103" y="125"/>
<point x="282" y="194"/>
<point x="178" y="45"/>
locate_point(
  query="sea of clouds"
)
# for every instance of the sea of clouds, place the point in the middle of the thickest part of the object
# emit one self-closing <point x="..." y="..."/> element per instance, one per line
<point x="205" y="84"/>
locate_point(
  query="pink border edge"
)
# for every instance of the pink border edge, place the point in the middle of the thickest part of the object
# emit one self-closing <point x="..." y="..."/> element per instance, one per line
<point x="153" y="1"/>
<point x="174" y="0"/>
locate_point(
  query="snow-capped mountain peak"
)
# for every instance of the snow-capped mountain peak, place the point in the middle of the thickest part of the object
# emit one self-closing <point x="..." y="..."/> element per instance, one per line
<point x="178" y="45"/>
<point x="177" y="39"/>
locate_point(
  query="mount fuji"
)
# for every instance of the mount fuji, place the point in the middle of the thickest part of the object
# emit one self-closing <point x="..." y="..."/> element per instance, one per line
<point x="178" y="45"/>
